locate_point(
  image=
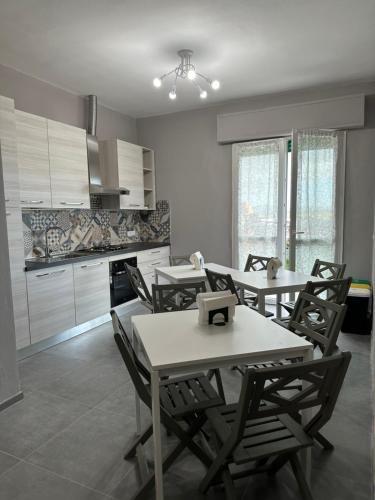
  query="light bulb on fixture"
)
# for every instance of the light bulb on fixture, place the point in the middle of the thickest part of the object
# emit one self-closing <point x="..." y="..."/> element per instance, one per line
<point x="215" y="84"/>
<point x="191" y="74"/>
<point x="172" y="94"/>
<point x="156" y="82"/>
<point x="203" y="94"/>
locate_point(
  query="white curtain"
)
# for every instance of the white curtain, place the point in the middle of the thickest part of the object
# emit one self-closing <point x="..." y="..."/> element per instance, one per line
<point x="316" y="207"/>
<point x="255" y="199"/>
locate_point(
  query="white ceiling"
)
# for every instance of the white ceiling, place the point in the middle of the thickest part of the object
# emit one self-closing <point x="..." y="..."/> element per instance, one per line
<point x="114" y="48"/>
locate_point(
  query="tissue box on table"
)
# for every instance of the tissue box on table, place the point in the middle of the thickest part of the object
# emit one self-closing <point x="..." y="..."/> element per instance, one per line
<point x="211" y="301"/>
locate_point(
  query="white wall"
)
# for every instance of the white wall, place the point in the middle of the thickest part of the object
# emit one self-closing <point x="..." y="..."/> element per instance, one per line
<point x="194" y="173"/>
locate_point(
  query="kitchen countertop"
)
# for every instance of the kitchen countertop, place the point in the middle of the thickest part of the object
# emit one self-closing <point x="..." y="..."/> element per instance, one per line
<point x="43" y="262"/>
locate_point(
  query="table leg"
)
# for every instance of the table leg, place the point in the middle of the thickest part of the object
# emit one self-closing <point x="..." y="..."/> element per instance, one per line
<point x="137" y="400"/>
<point x="242" y="295"/>
<point x="158" y="460"/>
<point x="306" y="416"/>
<point x="261" y="303"/>
<point x="278" y="306"/>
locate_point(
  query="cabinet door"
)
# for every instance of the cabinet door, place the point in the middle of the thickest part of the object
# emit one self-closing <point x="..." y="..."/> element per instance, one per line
<point x="51" y="301"/>
<point x="33" y="160"/>
<point x="8" y="151"/>
<point x="130" y="173"/>
<point x="68" y="166"/>
<point x="91" y="289"/>
<point x="17" y="276"/>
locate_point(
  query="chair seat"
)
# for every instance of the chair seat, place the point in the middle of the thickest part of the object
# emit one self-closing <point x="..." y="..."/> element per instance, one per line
<point x="288" y="306"/>
<point x="262" y="438"/>
<point x="181" y="396"/>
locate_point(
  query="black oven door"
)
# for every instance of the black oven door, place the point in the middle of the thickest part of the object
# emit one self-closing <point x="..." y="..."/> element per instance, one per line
<point x="121" y="288"/>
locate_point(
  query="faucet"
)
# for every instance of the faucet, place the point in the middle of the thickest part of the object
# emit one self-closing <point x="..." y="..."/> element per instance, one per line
<point x="47" y="250"/>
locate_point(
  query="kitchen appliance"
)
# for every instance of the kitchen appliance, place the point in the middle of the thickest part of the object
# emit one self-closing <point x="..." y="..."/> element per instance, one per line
<point x="97" y="184"/>
<point x="120" y="286"/>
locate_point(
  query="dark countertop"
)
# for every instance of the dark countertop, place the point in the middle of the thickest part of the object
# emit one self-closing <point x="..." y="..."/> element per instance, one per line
<point x="43" y="262"/>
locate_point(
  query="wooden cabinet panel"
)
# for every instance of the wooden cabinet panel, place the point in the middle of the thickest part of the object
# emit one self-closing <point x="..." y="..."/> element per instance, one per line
<point x="33" y="160"/>
<point x="17" y="275"/>
<point x="153" y="254"/>
<point x="68" y="166"/>
<point x="8" y="151"/>
<point x="130" y="172"/>
<point x="91" y="289"/>
<point x="51" y="301"/>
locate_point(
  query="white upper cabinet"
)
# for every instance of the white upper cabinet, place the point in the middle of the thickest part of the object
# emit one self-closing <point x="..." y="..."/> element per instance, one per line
<point x="122" y="166"/>
<point x="33" y="160"/>
<point x="8" y="146"/>
<point x="130" y="174"/>
<point x="68" y="166"/>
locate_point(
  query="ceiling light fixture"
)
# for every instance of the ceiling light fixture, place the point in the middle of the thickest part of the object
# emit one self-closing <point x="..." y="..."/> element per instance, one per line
<point x="186" y="70"/>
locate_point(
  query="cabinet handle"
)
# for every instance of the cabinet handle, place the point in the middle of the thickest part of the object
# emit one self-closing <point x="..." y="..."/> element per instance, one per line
<point x="134" y="205"/>
<point x="155" y="264"/>
<point x="48" y="274"/>
<point x="156" y="251"/>
<point x="8" y="213"/>
<point x="34" y="202"/>
<point x="7" y="199"/>
<point x="92" y="265"/>
<point x="71" y="202"/>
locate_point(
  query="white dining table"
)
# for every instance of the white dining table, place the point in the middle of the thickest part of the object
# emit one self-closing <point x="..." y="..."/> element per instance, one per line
<point x="254" y="281"/>
<point x="175" y="343"/>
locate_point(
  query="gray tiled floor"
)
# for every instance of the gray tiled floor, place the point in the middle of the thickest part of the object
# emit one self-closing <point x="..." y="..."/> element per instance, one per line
<point x="65" y="440"/>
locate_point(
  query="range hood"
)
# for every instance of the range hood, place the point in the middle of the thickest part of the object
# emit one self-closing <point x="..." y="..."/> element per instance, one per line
<point x="97" y="186"/>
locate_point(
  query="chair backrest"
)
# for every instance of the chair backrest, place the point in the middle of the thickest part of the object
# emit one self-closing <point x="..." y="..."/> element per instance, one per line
<point x="262" y="395"/>
<point x="332" y="290"/>
<point x="179" y="260"/>
<point x="138" y="284"/>
<point x="175" y="297"/>
<point x="318" y="320"/>
<point x="328" y="270"/>
<point x="256" y="263"/>
<point x="137" y="371"/>
<point x="219" y="282"/>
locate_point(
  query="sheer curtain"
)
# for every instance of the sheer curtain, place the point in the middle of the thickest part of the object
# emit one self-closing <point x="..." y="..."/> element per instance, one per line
<point x="316" y="211"/>
<point x="255" y="199"/>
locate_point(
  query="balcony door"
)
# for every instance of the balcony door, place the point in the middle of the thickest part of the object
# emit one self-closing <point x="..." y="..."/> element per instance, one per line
<point x="288" y="199"/>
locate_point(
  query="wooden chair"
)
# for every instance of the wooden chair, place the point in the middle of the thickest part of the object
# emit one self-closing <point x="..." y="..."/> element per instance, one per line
<point x="179" y="297"/>
<point x="262" y="429"/>
<point x="334" y="291"/>
<point x="183" y="400"/>
<point x="139" y="286"/>
<point x="255" y="263"/>
<point x="325" y="271"/>
<point x="179" y="260"/>
<point x="219" y="282"/>
<point x="176" y="297"/>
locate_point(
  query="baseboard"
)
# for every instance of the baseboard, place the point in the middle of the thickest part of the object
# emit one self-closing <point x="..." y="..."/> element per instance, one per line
<point x="9" y="402"/>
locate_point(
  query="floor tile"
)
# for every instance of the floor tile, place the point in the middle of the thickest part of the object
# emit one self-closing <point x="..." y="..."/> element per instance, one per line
<point x="6" y="462"/>
<point x="35" y="419"/>
<point x="36" y="370"/>
<point x="90" y="451"/>
<point x="27" y="482"/>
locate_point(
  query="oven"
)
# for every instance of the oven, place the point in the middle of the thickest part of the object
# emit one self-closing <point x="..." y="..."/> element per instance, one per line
<point x="120" y="286"/>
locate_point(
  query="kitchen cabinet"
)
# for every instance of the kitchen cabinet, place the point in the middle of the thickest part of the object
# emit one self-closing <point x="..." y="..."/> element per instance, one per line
<point x="8" y="151"/>
<point x="68" y="166"/>
<point x="147" y="260"/>
<point x="33" y="160"/>
<point x="17" y="275"/>
<point x="91" y="289"/>
<point x="51" y="301"/>
<point x="122" y="166"/>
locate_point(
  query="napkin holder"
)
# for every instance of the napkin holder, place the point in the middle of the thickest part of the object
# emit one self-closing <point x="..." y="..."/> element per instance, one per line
<point x="273" y="267"/>
<point x="211" y="304"/>
<point x="197" y="260"/>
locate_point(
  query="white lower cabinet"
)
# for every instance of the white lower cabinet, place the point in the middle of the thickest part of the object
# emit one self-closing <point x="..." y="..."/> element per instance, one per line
<point x="147" y="260"/>
<point x="91" y="289"/>
<point x="51" y="301"/>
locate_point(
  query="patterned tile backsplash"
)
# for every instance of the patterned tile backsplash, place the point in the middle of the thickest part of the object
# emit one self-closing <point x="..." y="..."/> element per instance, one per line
<point x="75" y="229"/>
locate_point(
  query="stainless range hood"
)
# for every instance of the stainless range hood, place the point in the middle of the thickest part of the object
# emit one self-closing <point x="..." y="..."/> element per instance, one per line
<point x="95" y="175"/>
